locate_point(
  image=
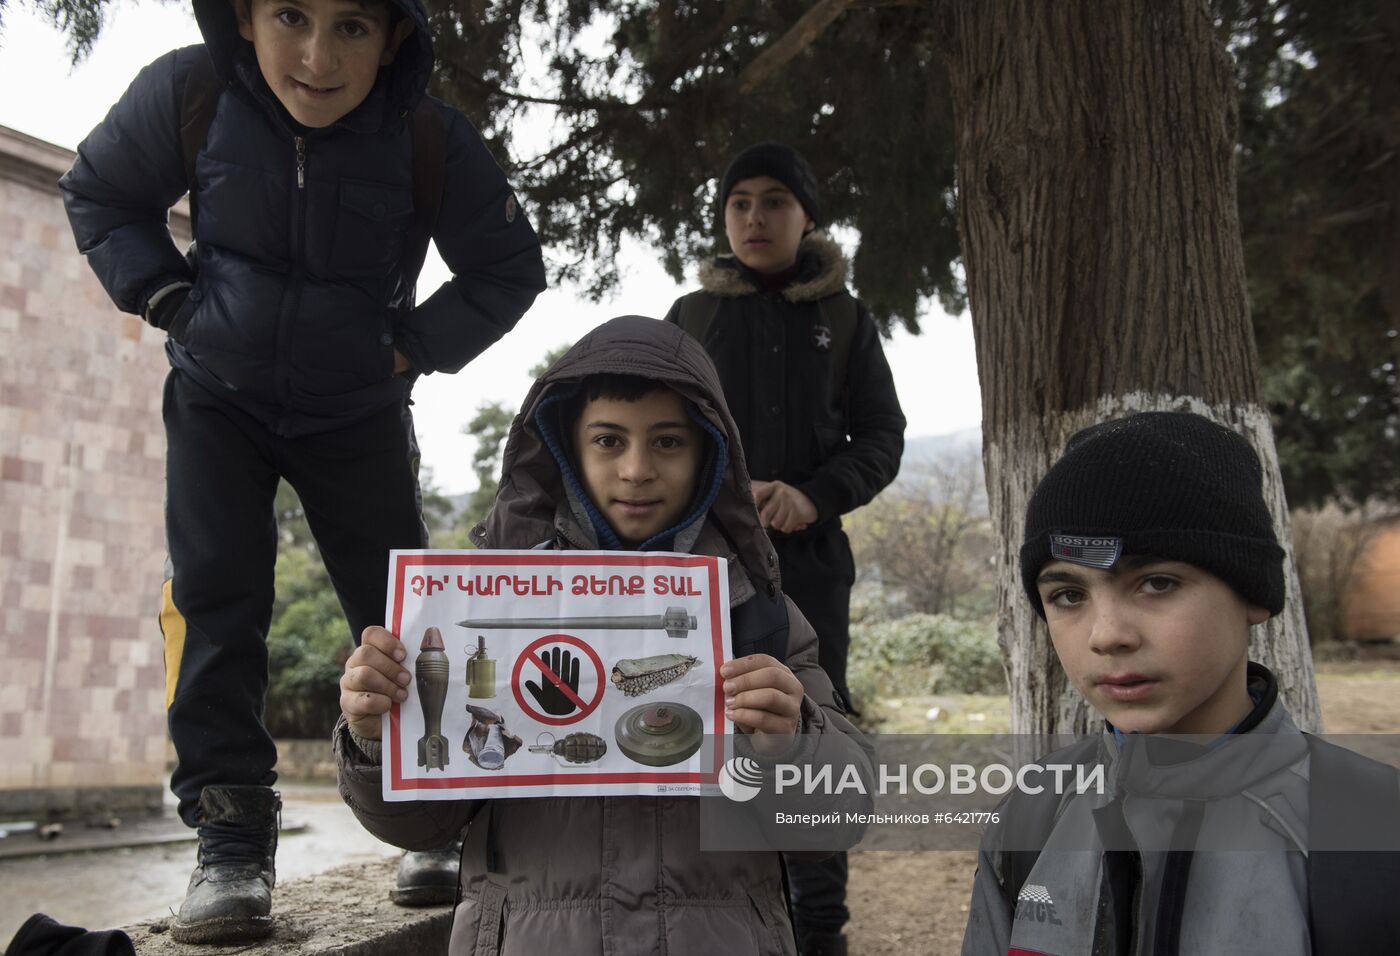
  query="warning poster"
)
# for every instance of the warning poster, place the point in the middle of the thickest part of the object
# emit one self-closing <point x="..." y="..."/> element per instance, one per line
<point x="556" y="673"/>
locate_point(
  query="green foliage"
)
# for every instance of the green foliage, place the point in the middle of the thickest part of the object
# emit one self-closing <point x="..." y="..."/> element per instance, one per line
<point x="923" y="654"/>
<point x="307" y="647"/>
<point x="81" y="20"/>
<point x="490" y="427"/>
<point x="309" y="639"/>
<point x="647" y="100"/>
<point x="650" y="100"/>
<point x="1319" y="188"/>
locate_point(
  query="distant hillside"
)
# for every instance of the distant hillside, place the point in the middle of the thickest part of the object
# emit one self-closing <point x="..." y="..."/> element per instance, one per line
<point x="931" y="448"/>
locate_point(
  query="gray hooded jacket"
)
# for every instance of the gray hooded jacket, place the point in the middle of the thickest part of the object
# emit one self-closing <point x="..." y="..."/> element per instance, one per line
<point x="1139" y="869"/>
<point x="622" y="876"/>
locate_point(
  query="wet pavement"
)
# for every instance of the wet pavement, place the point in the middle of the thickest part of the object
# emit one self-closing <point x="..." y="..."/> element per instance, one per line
<point x="105" y="888"/>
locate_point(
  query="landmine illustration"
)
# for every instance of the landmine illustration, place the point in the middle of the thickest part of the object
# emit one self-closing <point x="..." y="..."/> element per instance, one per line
<point x="676" y="622"/>
<point x="488" y="744"/>
<point x="431" y="672"/>
<point x="659" y="735"/>
<point x="578" y="748"/>
<point x="636" y="676"/>
<point x="481" y="672"/>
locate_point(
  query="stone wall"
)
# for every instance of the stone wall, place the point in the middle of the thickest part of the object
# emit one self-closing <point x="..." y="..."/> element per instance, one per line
<point x="81" y="529"/>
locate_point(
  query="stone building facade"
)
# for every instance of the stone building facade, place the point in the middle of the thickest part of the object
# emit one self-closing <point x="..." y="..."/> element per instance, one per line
<point x="82" y="720"/>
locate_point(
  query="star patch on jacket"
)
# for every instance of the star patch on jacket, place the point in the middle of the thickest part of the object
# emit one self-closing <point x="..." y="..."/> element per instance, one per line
<point x="821" y="338"/>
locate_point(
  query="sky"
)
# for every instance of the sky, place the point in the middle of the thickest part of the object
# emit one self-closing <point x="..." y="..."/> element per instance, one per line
<point x="43" y="96"/>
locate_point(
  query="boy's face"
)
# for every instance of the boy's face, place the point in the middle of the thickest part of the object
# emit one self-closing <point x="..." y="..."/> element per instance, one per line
<point x="1155" y="646"/>
<point x="320" y="57"/>
<point x="640" y="461"/>
<point x="765" y="224"/>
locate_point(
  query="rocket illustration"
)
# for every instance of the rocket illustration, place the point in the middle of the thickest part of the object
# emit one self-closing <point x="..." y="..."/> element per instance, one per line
<point x="431" y="672"/>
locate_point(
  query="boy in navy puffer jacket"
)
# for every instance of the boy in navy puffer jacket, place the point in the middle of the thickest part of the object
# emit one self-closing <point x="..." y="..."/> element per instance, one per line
<point x="293" y="343"/>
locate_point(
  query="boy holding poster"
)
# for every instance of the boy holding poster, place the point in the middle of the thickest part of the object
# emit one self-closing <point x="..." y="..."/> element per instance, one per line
<point x="624" y="444"/>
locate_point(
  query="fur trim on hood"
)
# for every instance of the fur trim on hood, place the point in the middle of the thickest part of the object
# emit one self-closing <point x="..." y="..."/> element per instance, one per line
<point x="533" y="507"/>
<point x="822" y="270"/>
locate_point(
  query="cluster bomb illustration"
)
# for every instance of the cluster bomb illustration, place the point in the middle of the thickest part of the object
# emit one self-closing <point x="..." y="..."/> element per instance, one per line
<point x="636" y="676"/>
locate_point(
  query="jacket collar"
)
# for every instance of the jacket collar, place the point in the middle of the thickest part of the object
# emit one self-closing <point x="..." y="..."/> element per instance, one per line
<point x="821" y="271"/>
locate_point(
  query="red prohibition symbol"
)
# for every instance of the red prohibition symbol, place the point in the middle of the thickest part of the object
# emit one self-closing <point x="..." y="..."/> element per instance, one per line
<point x="584" y="707"/>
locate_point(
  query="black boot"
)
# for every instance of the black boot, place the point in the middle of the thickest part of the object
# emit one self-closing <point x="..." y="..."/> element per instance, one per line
<point x="229" y="898"/>
<point x="428" y="877"/>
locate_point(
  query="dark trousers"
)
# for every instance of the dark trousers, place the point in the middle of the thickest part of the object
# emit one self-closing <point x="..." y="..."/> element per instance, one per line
<point x="818" y="572"/>
<point x="359" y="488"/>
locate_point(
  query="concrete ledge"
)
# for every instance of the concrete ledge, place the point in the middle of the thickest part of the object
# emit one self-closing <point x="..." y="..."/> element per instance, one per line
<point x="342" y="912"/>
<point x="79" y="803"/>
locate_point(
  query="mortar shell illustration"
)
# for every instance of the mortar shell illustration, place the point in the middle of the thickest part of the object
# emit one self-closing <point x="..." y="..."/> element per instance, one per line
<point x="659" y="735"/>
<point x="575" y="748"/>
<point x="481" y="672"/>
<point x="636" y="676"/>
<point x="676" y="622"/>
<point x="431" y="672"/>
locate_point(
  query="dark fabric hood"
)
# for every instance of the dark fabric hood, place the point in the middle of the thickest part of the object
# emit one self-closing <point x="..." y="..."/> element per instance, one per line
<point x="400" y="85"/>
<point x="533" y="500"/>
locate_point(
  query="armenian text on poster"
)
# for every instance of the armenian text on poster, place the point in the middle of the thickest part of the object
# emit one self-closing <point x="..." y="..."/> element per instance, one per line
<point x="556" y="673"/>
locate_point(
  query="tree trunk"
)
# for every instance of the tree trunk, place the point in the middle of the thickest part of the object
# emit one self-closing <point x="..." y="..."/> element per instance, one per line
<point x="1101" y="240"/>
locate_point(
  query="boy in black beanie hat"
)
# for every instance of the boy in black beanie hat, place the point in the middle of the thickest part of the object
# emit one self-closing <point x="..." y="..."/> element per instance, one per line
<point x="805" y="375"/>
<point x="1150" y="552"/>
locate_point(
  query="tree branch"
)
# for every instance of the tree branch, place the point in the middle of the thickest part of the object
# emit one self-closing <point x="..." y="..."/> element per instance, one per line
<point x="571" y="104"/>
<point x="799" y="36"/>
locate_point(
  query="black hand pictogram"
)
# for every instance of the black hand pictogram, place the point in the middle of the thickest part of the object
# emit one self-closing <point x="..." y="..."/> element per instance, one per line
<point x="551" y="699"/>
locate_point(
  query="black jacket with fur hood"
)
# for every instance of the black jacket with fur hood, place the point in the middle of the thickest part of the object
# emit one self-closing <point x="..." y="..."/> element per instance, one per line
<point x="836" y="437"/>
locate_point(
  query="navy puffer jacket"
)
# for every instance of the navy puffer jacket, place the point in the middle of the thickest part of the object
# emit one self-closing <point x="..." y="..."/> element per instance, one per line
<point x="299" y="298"/>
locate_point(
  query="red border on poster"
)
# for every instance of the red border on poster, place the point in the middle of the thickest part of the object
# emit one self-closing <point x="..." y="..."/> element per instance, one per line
<point x="398" y="781"/>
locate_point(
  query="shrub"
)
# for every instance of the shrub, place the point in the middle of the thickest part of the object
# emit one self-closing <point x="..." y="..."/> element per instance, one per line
<point x="923" y="654"/>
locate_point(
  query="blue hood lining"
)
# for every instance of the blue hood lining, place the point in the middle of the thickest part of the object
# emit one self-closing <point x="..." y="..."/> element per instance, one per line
<point x="546" y="422"/>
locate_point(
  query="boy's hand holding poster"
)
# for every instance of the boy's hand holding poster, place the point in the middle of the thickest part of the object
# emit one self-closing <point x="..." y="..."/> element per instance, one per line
<point x="549" y="673"/>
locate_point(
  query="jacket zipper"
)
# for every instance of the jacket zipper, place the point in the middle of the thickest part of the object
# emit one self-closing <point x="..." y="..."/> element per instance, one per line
<point x="292" y="301"/>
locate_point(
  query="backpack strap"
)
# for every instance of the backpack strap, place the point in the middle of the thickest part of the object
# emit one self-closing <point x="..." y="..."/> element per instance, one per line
<point x="429" y="169"/>
<point x="698" y="312"/>
<point x="840" y="314"/>
<point x="198" y="102"/>
<point x="1352" y="892"/>
<point x="1029" y="819"/>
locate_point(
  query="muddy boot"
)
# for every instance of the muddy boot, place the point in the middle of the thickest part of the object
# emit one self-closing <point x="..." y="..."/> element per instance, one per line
<point x="229" y="898"/>
<point x="428" y="877"/>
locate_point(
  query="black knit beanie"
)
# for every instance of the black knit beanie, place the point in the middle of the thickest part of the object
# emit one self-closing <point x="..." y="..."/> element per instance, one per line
<point x="1167" y="484"/>
<point x="784" y="164"/>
